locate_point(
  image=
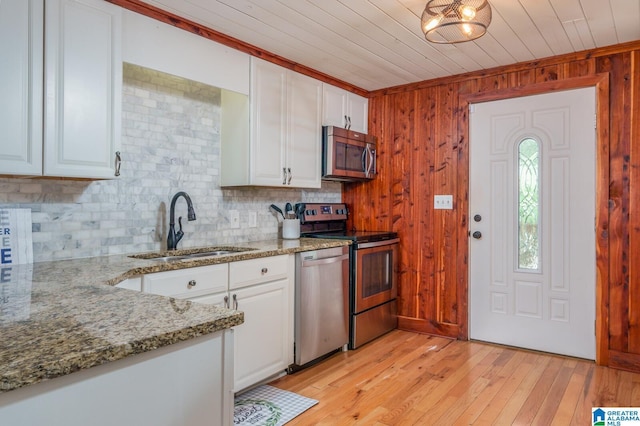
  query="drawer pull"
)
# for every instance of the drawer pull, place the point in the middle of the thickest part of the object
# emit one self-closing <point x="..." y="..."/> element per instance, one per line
<point x="235" y="302"/>
<point x="264" y="271"/>
<point x="226" y="302"/>
<point x="191" y="284"/>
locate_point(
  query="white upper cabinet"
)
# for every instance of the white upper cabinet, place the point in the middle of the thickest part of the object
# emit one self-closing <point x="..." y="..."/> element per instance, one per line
<point x="83" y="88"/>
<point x="21" y="44"/>
<point x="284" y="146"/>
<point x="150" y="43"/>
<point x="344" y="109"/>
<point x="268" y="124"/>
<point x="305" y="130"/>
<point x="61" y="85"/>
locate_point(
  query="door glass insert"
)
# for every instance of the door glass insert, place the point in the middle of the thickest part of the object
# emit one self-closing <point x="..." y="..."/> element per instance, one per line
<point x="528" y="204"/>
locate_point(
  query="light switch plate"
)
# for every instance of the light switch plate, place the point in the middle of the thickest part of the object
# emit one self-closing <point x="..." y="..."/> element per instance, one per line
<point x="443" y="202"/>
<point x="234" y="218"/>
<point x="253" y="219"/>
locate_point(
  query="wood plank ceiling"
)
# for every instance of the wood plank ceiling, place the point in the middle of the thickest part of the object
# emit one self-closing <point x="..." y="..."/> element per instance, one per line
<point x="374" y="44"/>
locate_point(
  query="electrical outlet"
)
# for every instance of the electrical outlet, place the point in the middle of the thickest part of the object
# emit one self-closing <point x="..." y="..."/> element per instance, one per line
<point x="253" y="219"/>
<point x="234" y="218"/>
<point x="443" y="202"/>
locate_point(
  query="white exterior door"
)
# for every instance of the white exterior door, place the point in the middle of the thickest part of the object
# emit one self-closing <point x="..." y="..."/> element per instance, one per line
<point x="532" y="222"/>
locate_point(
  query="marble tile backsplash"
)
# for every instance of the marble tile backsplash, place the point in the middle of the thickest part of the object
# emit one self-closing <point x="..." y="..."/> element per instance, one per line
<point x="170" y="143"/>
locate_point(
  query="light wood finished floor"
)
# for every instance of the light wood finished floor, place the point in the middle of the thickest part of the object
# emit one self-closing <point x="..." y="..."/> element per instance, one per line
<point x="405" y="378"/>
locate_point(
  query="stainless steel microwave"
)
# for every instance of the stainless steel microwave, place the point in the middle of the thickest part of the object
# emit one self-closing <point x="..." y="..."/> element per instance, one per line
<point x="347" y="155"/>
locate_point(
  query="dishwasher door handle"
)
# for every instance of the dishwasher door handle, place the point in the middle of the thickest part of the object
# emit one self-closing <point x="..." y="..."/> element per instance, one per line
<point x="325" y="261"/>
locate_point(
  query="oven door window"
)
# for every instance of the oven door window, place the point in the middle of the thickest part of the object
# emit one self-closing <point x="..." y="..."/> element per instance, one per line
<point x="375" y="277"/>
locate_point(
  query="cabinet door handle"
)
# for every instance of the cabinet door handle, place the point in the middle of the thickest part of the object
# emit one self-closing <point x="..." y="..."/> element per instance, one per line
<point x="226" y="302"/>
<point x="118" y="163"/>
<point x="235" y="302"/>
<point x="290" y="176"/>
<point x="284" y="175"/>
<point x="346" y="122"/>
<point x="191" y="284"/>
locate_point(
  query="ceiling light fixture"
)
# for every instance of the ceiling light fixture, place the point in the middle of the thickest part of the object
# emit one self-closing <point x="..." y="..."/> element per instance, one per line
<point x="455" y="21"/>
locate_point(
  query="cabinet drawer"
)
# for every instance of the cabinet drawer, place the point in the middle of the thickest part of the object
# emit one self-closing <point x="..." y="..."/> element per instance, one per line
<point x="134" y="283"/>
<point x="188" y="282"/>
<point x="255" y="271"/>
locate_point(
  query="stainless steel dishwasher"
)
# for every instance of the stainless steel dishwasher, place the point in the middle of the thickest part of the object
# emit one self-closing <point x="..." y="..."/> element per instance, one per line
<point x="321" y="304"/>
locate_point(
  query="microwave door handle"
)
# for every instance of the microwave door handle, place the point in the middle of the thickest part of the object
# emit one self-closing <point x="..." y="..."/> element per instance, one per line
<point x="369" y="164"/>
<point x="373" y="162"/>
<point x="364" y="160"/>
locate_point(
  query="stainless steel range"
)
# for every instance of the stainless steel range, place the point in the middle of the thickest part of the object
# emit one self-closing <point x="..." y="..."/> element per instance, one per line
<point x="373" y="260"/>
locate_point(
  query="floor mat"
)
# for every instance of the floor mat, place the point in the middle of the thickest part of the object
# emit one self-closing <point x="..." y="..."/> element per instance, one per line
<point x="269" y="406"/>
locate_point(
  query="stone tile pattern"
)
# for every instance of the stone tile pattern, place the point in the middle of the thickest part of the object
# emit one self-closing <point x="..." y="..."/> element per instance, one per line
<point x="170" y="143"/>
<point x="73" y="318"/>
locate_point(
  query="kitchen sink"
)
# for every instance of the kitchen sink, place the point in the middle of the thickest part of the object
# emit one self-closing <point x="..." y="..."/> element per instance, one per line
<point x="182" y="255"/>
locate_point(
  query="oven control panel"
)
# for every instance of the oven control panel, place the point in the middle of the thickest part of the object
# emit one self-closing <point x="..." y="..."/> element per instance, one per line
<point x="315" y="212"/>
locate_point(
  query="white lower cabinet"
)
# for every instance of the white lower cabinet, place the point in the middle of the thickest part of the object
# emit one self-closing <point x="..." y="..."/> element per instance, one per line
<point x="261" y="288"/>
<point x="262" y="345"/>
<point x="186" y="383"/>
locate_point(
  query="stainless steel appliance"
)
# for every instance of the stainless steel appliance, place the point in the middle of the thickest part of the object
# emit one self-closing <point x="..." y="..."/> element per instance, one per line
<point x="347" y="155"/>
<point x="321" y="303"/>
<point x="373" y="270"/>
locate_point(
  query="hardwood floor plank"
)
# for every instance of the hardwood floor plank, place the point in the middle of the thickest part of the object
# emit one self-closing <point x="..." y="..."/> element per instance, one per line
<point x="569" y="401"/>
<point x="404" y="379"/>
<point x="498" y="379"/>
<point x="538" y="394"/>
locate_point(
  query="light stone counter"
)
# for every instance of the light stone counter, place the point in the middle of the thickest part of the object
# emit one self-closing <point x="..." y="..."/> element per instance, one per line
<point x="64" y="316"/>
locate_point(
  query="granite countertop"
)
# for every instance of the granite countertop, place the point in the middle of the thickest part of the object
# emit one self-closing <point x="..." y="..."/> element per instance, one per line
<point x="63" y="316"/>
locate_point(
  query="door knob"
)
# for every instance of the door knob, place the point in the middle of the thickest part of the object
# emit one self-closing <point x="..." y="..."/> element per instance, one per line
<point x="477" y="235"/>
<point x="477" y="218"/>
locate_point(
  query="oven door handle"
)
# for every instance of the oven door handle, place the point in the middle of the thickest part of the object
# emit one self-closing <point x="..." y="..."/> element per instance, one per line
<point x="378" y="243"/>
<point x="324" y="261"/>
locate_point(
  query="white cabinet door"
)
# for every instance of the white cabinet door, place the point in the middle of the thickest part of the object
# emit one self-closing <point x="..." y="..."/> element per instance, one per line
<point x="21" y="44"/>
<point x="358" y="112"/>
<point x="285" y="144"/>
<point x="83" y="88"/>
<point x="218" y="299"/>
<point x="334" y="106"/>
<point x="342" y="108"/>
<point x="262" y="344"/>
<point x="268" y="129"/>
<point x="304" y="149"/>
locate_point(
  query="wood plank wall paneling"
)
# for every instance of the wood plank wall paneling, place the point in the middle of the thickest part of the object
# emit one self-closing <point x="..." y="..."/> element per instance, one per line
<point x="433" y="267"/>
<point x="634" y="207"/>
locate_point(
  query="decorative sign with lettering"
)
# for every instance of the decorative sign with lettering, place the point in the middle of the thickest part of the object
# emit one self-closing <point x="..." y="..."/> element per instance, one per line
<point x="15" y="292"/>
<point x="16" y="246"/>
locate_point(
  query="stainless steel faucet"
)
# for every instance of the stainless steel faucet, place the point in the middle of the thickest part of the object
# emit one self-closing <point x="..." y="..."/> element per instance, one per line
<point x="174" y="237"/>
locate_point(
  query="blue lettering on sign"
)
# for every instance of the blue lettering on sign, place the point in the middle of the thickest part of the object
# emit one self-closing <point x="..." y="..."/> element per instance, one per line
<point x="6" y="231"/>
<point x="5" y="275"/>
<point x="5" y="256"/>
